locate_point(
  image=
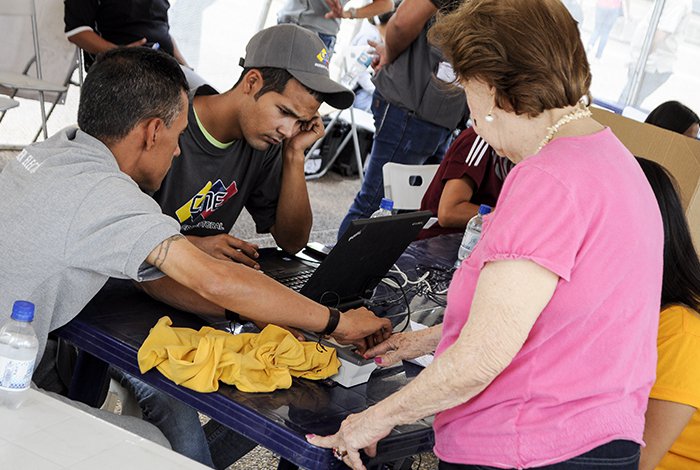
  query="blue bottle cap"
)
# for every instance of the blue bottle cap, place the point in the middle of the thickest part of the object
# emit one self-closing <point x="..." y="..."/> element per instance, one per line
<point x="387" y="204"/>
<point x="484" y="209"/>
<point x="23" y="311"/>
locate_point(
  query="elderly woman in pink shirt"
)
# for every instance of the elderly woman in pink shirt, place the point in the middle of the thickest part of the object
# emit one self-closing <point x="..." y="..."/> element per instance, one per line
<point x="547" y="352"/>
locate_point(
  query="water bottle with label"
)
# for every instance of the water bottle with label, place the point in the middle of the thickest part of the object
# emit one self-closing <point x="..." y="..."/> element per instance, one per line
<point x="385" y="208"/>
<point x="471" y="234"/>
<point x="18" y="350"/>
<point x="359" y="62"/>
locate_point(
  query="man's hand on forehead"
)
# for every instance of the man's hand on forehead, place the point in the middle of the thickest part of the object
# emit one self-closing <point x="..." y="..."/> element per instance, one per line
<point x="309" y="132"/>
<point x="311" y="125"/>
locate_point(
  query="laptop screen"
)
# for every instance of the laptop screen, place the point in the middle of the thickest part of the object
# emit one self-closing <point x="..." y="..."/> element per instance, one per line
<point x="362" y="257"/>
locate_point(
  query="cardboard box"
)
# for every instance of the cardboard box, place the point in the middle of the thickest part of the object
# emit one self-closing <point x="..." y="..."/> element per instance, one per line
<point x="678" y="153"/>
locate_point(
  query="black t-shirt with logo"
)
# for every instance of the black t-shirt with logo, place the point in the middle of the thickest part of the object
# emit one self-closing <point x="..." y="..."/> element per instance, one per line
<point x="207" y="187"/>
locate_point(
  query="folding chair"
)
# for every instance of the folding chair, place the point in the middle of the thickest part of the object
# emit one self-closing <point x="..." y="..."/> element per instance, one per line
<point x="406" y="184"/>
<point x="364" y="121"/>
<point x="23" y="81"/>
<point x="7" y="103"/>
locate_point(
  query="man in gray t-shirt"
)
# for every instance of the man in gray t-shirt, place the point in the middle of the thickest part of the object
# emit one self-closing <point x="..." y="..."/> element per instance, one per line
<point x="75" y="213"/>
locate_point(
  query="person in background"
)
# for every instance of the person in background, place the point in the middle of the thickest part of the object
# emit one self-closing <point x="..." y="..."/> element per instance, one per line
<point x="606" y="13"/>
<point x="532" y="366"/>
<point x="672" y="429"/>
<point x="664" y="49"/>
<point x="100" y="25"/>
<point x="323" y="16"/>
<point x="372" y="30"/>
<point x="471" y="174"/>
<point x="676" y="117"/>
<point x="416" y="105"/>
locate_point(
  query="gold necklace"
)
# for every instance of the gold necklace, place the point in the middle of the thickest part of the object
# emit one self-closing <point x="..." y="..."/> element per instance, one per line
<point x="580" y="112"/>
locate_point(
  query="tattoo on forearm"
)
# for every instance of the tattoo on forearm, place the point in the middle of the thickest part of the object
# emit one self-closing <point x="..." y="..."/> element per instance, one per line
<point x="163" y="249"/>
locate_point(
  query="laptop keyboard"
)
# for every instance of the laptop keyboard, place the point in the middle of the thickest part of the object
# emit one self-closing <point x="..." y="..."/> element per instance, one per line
<point x="297" y="280"/>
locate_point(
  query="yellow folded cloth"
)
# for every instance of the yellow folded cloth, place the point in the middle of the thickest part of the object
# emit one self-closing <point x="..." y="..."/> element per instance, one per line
<point x="253" y="362"/>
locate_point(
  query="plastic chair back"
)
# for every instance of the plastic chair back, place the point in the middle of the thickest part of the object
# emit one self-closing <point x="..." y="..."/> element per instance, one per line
<point x="406" y="184"/>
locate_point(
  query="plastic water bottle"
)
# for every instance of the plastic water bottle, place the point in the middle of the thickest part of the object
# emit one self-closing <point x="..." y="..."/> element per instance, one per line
<point x="18" y="349"/>
<point x="471" y="234"/>
<point x="385" y="208"/>
<point x="359" y="62"/>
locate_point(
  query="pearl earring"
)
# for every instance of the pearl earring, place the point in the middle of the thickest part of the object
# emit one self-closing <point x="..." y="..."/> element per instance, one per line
<point x="489" y="117"/>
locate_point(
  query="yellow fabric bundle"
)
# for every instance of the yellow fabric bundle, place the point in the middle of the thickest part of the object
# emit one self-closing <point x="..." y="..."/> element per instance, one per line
<point x="253" y="362"/>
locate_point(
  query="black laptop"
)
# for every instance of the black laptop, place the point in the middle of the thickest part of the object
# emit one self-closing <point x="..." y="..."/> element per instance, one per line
<point x="353" y="267"/>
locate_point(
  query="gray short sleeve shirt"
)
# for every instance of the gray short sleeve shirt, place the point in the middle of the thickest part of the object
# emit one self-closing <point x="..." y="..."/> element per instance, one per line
<point x="71" y="219"/>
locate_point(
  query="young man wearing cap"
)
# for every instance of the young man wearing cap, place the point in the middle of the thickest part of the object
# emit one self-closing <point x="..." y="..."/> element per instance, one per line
<point x="245" y="147"/>
<point x="242" y="148"/>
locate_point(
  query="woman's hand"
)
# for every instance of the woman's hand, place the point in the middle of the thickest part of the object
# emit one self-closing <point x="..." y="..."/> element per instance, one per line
<point x="357" y="431"/>
<point x="408" y="345"/>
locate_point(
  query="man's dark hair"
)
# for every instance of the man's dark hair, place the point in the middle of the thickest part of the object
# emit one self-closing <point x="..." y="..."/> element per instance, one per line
<point x="673" y="116"/>
<point x="126" y="86"/>
<point x="275" y="79"/>
<point x="681" y="278"/>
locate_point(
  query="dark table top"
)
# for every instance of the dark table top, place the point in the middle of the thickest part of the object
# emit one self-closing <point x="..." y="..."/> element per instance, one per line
<point x="115" y="323"/>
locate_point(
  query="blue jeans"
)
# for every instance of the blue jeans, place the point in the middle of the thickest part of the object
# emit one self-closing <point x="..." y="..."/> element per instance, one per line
<point x="615" y="455"/>
<point x="329" y="41"/>
<point x="399" y="137"/>
<point x="604" y="22"/>
<point x="177" y="421"/>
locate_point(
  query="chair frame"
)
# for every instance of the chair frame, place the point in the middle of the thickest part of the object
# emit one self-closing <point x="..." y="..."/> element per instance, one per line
<point x="28" y="8"/>
<point x="355" y="141"/>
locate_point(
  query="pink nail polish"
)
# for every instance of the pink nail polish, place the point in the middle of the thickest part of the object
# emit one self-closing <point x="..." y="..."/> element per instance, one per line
<point x="310" y="436"/>
<point x="378" y="360"/>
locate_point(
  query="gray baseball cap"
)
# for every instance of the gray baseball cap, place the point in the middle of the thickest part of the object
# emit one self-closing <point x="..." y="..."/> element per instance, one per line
<point x="301" y="53"/>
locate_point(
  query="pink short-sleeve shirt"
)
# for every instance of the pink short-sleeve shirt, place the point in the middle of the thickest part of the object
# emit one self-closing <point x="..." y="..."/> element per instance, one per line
<point x="583" y="209"/>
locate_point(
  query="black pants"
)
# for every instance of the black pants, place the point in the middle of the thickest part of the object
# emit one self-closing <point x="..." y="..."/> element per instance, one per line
<point x="615" y="455"/>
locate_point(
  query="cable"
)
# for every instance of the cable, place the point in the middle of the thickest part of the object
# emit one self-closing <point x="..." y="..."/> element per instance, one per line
<point x="405" y="298"/>
<point x="396" y="270"/>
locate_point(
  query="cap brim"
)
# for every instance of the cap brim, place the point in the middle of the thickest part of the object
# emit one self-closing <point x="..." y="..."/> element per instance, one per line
<point x="334" y="93"/>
